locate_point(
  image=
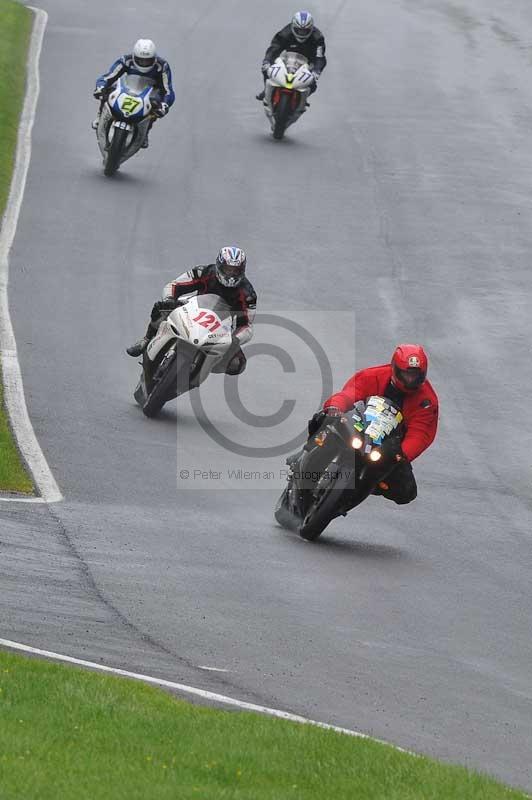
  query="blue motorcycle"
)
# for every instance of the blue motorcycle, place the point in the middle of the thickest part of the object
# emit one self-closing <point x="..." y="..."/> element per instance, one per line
<point x="125" y="120"/>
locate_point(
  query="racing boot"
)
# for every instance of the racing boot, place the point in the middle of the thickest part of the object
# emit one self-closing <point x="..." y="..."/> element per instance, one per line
<point x="260" y="96"/>
<point x="146" y="142"/>
<point x="138" y="348"/>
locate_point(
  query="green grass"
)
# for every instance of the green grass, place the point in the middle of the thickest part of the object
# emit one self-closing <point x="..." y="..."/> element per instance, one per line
<point x="13" y="477"/>
<point x="69" y="733"/>
<point x="15" y="25"/>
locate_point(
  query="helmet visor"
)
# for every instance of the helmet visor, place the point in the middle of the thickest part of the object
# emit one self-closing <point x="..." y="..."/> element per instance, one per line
<point x="231" y="270"/>
<point x="411" y="378"/>
<point x="229" y="274"/>
<point x="301" y="33"/>
<point x="144" y="62"/>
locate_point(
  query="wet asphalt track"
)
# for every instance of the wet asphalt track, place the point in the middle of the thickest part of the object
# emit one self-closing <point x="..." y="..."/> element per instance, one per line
<point x="404" y="195"/>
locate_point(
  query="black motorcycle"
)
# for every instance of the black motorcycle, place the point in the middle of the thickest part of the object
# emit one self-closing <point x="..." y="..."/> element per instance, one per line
<point x="341" y="464"/>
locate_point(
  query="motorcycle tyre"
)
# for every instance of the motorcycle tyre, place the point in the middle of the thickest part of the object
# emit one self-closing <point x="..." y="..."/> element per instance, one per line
<point x="161" y="392"/>
<point x="166" y="387"/>
<point x="283" y="516"/>
<point x="281" y="116"/>
<point x="320" y="515"/>
<point x="115" y="152"/>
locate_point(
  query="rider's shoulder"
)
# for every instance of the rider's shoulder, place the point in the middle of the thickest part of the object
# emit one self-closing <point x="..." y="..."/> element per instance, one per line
<point x="378" y="370"/>
<point x="249" y="291"/>
<point x="200" y="270"/>
<point x="192" y="274"/>
<point x="317" y="35"/>
<point x="428" y="393"/>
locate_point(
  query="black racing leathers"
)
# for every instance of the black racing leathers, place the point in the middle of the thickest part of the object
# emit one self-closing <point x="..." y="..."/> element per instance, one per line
<point x="313" y="48"/>
<point x="241" y="299"/>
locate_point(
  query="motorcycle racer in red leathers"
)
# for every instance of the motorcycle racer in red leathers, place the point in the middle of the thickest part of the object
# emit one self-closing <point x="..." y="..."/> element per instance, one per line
<point x="404" y="382"/>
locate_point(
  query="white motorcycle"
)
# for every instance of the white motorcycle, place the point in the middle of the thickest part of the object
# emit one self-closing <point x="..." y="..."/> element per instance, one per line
<point x="125" y="120"/>
<point x="286" y="92"/>
<point x="187" y="347"/>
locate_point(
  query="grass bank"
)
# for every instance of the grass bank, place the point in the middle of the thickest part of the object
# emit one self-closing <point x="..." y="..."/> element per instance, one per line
<point x="69" y="733"/>
<point x="15" y="25"/>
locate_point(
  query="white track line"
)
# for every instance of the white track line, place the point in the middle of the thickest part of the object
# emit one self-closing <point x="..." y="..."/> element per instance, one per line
<point x="13" y="387"/>
<point x="191" y="690"/>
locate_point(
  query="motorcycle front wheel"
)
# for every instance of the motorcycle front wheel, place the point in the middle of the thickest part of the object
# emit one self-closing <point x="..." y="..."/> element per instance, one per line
<point x="114" y="153"/>
<point x="281" y="116"/>
<point x="163" y="390"/>
<point x="283" y="516"/>
<point x="327" y="504"/>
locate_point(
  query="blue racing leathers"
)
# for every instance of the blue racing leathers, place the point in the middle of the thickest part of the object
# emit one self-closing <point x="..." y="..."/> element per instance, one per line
<point x="160" y="76"/>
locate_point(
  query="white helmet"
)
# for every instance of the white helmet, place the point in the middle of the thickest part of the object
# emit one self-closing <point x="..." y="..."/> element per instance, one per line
<point x="144" y="55"/>
<point x="302" y="25"/>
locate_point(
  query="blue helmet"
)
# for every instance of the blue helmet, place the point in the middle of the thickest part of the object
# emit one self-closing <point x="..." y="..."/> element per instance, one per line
<point x="230" y="266"/>
<point x="302" y="25"/>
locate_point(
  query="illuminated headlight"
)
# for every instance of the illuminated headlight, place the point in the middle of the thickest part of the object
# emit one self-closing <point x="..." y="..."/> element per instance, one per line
<point x="375" y="455"/>
<point x="356" y="442"/>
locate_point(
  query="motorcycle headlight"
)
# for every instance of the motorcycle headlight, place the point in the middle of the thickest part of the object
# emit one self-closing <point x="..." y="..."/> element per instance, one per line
<point x="375" y="455"/>
<point x="357" y="442"/>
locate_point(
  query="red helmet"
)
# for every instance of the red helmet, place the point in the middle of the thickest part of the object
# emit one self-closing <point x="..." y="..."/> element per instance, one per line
<point x="409" y="367"/>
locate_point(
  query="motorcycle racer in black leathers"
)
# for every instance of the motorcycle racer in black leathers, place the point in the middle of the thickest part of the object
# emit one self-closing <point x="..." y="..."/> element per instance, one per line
<point x="226" y="278"/>
<point x="300" y="36"/>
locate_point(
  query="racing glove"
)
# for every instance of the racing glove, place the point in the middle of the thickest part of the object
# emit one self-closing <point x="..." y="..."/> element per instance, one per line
<point x="265" y="67"/>
<point x="393" y="450"/>
<point x="317" y="419"/>
<point x="168" y="303"/>
<point x="161" y="306"/>
<point x="316" y="76"/>
<point x="99" y="92"/>
<point x="161" y="110"/>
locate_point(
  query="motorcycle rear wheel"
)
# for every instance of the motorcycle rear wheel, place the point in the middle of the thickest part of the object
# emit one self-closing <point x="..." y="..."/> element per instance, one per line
<point x="114" y="153"/>
<point x="281" y="116"/>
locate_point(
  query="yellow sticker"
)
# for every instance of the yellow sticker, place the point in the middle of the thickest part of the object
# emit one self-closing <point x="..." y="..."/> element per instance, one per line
<point x="129" y="104"/>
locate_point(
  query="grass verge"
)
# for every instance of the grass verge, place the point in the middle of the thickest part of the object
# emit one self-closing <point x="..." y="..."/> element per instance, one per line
<point x="15" y="24"/>
<point x="69" y="733"/>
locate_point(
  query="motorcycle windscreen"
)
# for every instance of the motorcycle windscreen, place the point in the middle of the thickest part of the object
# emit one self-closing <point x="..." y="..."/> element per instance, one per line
<point x="216" y="304"/>
<point x="136" y="84"/>
<point x="293" y="61"/>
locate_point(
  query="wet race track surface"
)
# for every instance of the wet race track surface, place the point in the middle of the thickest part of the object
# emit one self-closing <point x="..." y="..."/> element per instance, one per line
<point x="398" y="208"/>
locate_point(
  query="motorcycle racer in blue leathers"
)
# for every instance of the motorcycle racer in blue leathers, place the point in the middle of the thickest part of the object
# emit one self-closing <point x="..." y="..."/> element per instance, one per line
<point x="145" y="62"/>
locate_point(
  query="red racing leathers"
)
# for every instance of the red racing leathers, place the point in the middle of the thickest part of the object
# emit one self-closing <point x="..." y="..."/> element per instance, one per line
<point x="419" y="408"/>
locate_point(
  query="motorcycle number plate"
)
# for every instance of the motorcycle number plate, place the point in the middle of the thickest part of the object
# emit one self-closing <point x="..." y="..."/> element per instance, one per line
<point x="125" y="126"/>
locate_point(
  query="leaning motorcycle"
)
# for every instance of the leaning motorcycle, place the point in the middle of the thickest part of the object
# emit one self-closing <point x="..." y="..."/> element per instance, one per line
<point x="188" y="344"/>
<point x="286" y="91"/>
<point x="124" y="120"/>
<point x="340" y="466"/>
